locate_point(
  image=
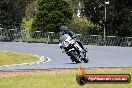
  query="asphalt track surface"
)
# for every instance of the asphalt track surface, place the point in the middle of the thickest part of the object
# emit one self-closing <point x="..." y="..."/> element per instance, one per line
<point x="99" y="56"/>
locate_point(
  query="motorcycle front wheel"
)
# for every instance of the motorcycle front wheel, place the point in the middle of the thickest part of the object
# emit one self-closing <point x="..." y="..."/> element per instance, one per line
<point x="74" y="56"/>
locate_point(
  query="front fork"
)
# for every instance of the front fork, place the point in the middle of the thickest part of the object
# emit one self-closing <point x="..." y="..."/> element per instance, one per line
<point x="80" y="51"/>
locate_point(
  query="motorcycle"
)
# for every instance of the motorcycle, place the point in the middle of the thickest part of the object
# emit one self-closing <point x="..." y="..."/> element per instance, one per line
<point x="72" y="49"/>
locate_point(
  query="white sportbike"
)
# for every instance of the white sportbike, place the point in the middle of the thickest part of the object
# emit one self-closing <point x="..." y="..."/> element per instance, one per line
<point x="72" y="49"/>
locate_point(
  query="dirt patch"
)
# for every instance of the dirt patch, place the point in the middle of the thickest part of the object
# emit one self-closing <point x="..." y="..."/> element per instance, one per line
<point x="16" y="73"/>
<point x="57" y="71"/>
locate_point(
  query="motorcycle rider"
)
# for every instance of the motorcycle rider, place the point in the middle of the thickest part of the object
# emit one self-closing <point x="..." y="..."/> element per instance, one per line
<point x="65" y="30"/>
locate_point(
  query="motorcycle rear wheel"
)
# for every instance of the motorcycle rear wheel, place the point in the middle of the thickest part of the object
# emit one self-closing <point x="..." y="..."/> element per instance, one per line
<point x="85" y="60"/>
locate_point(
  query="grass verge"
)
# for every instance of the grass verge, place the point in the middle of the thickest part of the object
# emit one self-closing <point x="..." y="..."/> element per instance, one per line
<point x="57" y="79"/>
<point x="8" y="58"/>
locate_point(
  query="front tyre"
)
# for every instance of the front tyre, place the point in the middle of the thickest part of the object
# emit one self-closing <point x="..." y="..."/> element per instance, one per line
<point x="74" y="57"/>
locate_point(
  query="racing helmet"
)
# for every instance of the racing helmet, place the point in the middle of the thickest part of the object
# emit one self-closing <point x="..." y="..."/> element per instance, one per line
<point x="64" y="29"/>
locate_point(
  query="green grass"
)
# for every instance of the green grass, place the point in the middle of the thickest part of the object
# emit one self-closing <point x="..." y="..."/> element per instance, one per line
<point x="8" y="58"/>
<point x="60" y="80"/>
<point x="27" y="23"/>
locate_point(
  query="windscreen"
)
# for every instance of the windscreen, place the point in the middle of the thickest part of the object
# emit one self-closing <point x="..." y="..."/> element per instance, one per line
<point x="64" y="37"/>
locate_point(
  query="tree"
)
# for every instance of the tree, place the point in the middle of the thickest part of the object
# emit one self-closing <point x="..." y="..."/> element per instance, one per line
<point x="119" y="16"/>
<point x="81" y="25"/>
<point x="93" y="10"/>
<point x="51" y="14"/>
<point x="12" y="12"/>
<point x="30" y="10"/>
<point x="78" y="8"/>
<point x="120" y="20"/>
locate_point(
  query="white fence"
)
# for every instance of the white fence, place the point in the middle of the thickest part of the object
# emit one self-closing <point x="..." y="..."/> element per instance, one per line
<point x="51" y="37"/>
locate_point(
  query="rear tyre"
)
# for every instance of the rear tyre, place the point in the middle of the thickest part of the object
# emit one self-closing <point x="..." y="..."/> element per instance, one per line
<point x="85" y="60"/>
<point x="75" y="57"/>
